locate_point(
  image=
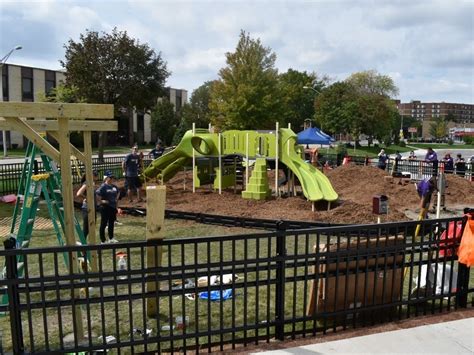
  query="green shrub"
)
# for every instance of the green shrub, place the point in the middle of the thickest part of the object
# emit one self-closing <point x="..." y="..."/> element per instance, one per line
<point x="341" y="149"/>
<point x="402" y="144"/>
<point x="468" y="139"/>
<point x="450" y="141"/>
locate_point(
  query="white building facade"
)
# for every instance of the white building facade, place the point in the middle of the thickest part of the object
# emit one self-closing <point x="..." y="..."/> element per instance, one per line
<point x="27" y="84"/>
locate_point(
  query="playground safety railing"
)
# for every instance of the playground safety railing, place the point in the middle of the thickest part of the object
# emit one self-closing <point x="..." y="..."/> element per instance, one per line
<point x="226" y="292"/>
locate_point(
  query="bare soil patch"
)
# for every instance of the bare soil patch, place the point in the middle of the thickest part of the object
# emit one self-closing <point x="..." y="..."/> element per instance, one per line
<point x="356" y="186"/>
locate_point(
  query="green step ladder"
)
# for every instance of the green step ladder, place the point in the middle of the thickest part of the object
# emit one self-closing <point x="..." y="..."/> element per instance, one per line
<point x="32" y="185"/>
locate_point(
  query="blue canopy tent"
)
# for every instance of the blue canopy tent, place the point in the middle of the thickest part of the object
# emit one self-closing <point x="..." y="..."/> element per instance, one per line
<point x="313" y="135"/>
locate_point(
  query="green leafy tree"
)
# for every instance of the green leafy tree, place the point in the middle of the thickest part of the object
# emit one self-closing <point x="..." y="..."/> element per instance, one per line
<point x="112" y="68"/>
<point x="66" y="94"/>
<point x="164" y="121"/>
<point x="298" y="91"/>
<point x="359" y="105"/>
<point x="197" y="111"/>
<point x="439" y="128"/>
<point x="336" y="107"/>
<point x="62" y="93"/>
<point x="370" y="82"/>
<point x="246" y="96"/>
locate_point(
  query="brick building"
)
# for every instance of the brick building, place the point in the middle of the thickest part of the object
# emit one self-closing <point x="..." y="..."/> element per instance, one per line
<point x="430" y="110"/>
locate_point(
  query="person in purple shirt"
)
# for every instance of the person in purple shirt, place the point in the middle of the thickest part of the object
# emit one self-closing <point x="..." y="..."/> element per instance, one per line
<point x="432" y="157"/>
<point x="425" y="189"/>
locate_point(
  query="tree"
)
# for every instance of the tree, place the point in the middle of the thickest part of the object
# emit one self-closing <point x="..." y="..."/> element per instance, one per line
<point x="164" y="121"/>
<point x="354" y="106"/>
<point x="372" y="83"/>
<point x="298" y="102"/>
<point x="112" y="68"/>
<point x="62" y="93"/>
<point x="197" y="111"/>
<point x="246" y="95"/>
<point x="335" y="108"/>
<point x="439" y="128"/>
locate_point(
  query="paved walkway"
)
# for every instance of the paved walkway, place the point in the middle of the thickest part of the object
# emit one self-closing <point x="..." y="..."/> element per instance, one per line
<point x="454" y="337"/>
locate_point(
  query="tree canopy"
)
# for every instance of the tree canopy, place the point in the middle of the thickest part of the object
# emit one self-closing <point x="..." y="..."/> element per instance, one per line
<point x="112" y="68"/>
<point x="298" y="91"/>
<point x="164" y="121"/>
<point x="370" y="82"/>
<point x="246" y="96"/>
<point x="439" y="128"/>
<point x="360" y="105"/>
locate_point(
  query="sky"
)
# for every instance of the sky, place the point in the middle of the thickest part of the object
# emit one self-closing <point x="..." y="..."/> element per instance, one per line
<point x="425" y="46"/>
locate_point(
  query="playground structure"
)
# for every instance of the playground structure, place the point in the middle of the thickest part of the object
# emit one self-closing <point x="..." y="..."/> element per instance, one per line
<point x="278" y="146"/>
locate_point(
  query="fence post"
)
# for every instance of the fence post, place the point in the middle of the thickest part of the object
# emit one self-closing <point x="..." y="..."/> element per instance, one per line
<point x="13" y="297"/>
<point x="280" y="281"/>
<point x="462" y="285"/>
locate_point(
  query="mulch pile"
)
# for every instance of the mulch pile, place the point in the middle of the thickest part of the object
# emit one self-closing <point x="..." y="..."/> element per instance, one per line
<point x="356" y="186"/>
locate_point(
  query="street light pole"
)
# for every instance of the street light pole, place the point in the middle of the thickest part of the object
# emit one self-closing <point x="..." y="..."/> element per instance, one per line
<point x="316" y="92"/>
<point x="2" y="63"/>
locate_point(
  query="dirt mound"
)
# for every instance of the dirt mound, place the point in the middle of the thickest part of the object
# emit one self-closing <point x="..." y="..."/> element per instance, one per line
<point x="356" y="186"/>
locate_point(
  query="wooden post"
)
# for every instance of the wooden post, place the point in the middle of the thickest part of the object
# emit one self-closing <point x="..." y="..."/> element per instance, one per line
<point x="155" y="218"/>
<point x="220" y="162"/>
<point x="247" y="157"/>
<point x="68" y="205"/>
<point x="194" y="160"/>
<point x="277" y="191"/>
<point x="92" y="237"/>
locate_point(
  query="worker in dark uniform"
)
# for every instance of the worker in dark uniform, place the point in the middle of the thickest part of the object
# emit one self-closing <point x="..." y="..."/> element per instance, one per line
<point x="157" y="152"/>
<point x="108" y="194"/>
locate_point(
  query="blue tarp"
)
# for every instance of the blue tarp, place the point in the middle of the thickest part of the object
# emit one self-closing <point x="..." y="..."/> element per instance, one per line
<point x="313" y="135"/>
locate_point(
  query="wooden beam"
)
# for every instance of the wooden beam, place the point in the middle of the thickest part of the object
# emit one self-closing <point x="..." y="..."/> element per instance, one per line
<point x="155" y="219"/>
<point x="68" y="206"/>
<point x="66" y="180"/>
<point x="76" y="125"/>
<point x="34" y="137"/>
<point x="56" y="110"/>
<point x="90" y="191"/>
<point x="76" y="152"/>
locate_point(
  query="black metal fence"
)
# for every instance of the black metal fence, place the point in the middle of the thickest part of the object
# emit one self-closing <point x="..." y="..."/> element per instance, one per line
<point x="218" y="293"/>
<point x="10" y="174"/>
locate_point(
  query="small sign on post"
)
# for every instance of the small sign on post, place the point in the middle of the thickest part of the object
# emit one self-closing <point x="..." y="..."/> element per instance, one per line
<point x="379" y="205"/>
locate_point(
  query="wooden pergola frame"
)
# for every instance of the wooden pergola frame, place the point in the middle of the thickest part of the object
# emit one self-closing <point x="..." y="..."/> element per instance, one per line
<point x="59" y="120"/>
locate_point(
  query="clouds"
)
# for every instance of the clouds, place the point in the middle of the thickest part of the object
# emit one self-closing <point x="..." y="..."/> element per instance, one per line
<point x="428" y="46"/>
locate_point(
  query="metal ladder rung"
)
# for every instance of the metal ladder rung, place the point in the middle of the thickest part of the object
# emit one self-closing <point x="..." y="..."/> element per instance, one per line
<point x="25" y="243"/>
<point x="30" y="221"/>
<point x="57" y="191"/>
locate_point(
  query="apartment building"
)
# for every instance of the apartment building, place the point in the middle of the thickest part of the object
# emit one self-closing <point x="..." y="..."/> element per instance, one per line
<point x="27" y="84"/>
<point x="431" y="110"/>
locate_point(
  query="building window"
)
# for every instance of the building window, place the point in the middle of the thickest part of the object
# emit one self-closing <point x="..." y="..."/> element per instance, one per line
<point x="179" y="100"/>
<point x="27" y="84"/>
<point x="5" y="82"/>
<point x="49" y="82"/>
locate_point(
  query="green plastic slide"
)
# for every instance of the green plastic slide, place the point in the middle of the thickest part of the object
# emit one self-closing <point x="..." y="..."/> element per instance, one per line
<point x="316" y="186"/>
